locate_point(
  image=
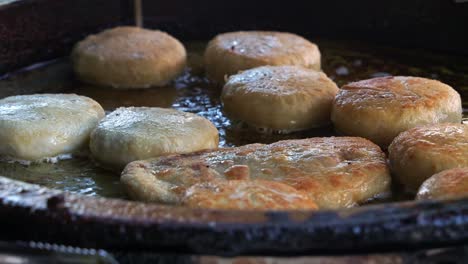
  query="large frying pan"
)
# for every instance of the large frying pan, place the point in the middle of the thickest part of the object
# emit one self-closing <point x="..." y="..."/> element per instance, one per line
<point x="36" y="30"/>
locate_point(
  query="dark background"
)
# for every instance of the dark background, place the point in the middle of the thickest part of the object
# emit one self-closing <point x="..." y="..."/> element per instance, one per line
<point x="35" y="30"/>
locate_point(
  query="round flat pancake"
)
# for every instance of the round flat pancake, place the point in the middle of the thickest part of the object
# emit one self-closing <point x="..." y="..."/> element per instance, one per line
<point x="279" y="98"/>
<point x="133" y="133"/>
<point x="232" y="52"/>
<point x="379" y="109"/>
<point x="335" y="172"/>
<point x="38" y="126"/>
<point x="421" y="152"/>
<point x="129" y="57"/>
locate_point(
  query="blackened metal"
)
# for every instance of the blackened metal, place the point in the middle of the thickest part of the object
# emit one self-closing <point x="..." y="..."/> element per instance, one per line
<point x="113" y="224"/>
<point x="32" y="252"/>
<point x="56" y="201"/>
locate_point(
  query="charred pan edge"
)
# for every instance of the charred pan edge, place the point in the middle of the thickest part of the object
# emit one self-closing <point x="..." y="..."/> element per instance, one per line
<point x="33" y="213"/>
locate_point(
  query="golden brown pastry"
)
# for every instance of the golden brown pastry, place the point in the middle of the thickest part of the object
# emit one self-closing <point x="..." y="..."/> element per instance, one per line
<point x="335" y="172"/>
<point x="129" y="57"/>
<point x="279" y="98"/>
<point x="421" y="152"/>
<point x="38" y="126"/>
<point x="133" y="133"/>
<point x="247" y="194"/>
<point x="447" y="184"/>
<point x="379" y="109"/>
<point x="232" y="52"/>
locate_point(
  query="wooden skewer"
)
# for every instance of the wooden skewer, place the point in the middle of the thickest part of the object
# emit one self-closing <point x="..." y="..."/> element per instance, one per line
<point x="138" y="13"/>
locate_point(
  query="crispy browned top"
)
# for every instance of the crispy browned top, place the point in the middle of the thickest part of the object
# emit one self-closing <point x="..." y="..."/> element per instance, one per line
<point x="264" y="45"/>
<point x="247" y="194"/>
<point x="441" y="141"/>
<point x="280" y="81"/>
<point x="395" y="92"/>
<point x="128" y="43"/>
<point x="285" y="98"/>
<point x="335" y="172"/>
<point x="448" y="184"/>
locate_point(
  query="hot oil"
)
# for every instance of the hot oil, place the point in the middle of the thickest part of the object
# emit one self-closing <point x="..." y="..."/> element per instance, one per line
<point x="192" y="92"/>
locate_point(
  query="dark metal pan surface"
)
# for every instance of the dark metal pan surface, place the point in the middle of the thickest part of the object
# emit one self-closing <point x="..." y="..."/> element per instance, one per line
<point x="75" y="217"/>
<point x="30" y="212"/>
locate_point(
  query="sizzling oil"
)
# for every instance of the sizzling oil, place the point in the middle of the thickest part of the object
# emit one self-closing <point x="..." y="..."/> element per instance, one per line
<point x="191" y="92"/>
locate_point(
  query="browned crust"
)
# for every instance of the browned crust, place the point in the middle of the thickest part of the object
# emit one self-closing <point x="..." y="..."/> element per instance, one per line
<point x="129" y="57"/>
<point x="285" y="98"/>
<point x="421" y="152"/>
<point x="335" y="172"/>
<point x="448" y="184"/>
<point x="380" y="108"/>
<point x="247" y="194"/>
<point x="231" y="52"/>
